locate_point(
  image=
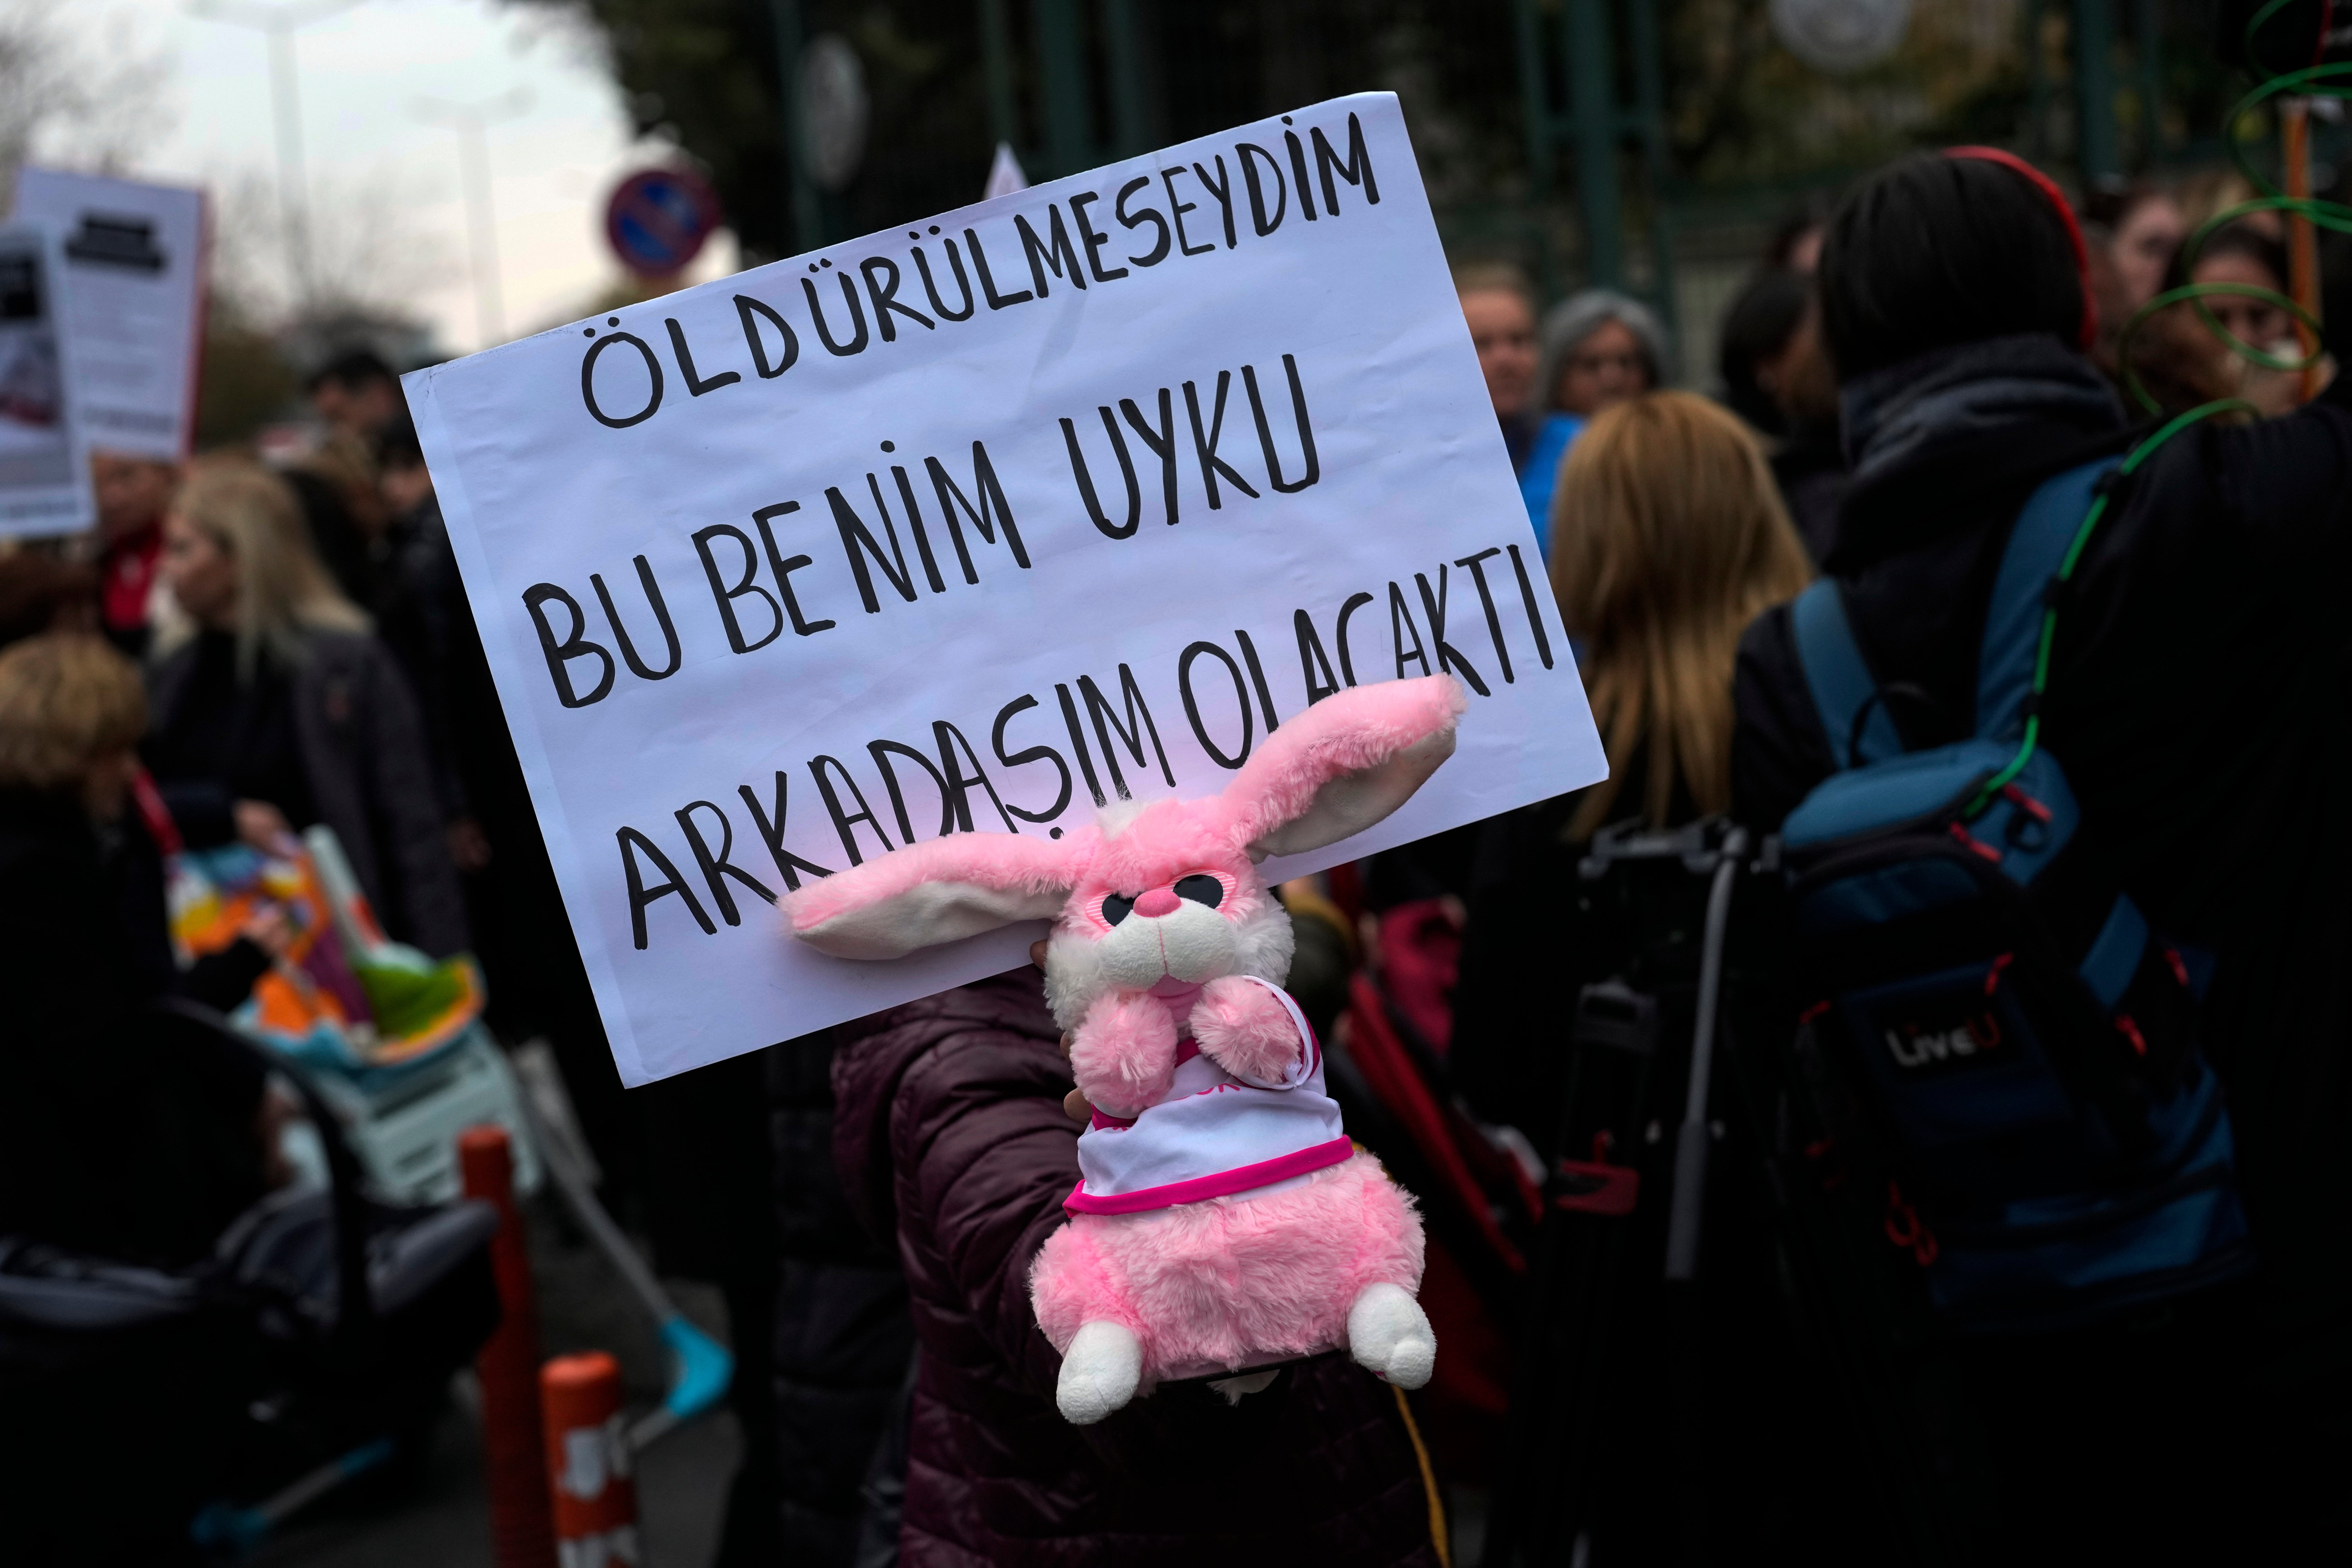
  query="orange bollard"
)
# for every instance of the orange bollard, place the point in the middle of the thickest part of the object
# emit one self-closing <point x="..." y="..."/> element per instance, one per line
<point x="588" y="1456"/>
<point x="521" y="1534"/>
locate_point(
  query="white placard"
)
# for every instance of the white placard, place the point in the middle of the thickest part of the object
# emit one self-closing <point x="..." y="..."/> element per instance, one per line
<point x="1076" y="489"/>
<point x="136" y="252"/>
<point x="44" y="467"/>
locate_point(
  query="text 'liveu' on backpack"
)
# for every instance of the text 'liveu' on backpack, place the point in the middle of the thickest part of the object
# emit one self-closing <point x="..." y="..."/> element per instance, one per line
<point x="2011" y="1046"/>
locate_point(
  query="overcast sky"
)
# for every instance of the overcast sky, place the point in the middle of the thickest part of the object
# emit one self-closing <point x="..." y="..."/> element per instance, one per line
<point x="361" y="73"/>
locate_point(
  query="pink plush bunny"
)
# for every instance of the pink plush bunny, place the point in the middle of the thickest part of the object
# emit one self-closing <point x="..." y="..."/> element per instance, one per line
<point x="1223" y="1221"/>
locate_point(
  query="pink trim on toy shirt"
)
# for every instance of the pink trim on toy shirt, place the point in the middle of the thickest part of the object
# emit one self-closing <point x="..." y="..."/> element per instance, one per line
<point x="1213" y="1133"/>
<point x="1224" y="1184"/>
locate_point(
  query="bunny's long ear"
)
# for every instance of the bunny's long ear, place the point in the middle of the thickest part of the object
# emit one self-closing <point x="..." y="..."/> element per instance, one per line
<point x="930" y="892"/>
<point x="1344" y="764"/>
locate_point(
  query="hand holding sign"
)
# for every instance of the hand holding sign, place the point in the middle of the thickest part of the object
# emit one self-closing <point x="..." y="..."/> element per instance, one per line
<point x="1069" y="497"/>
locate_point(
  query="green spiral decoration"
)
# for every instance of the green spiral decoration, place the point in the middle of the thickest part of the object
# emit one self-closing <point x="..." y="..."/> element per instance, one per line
<point x="2312" y="81"/>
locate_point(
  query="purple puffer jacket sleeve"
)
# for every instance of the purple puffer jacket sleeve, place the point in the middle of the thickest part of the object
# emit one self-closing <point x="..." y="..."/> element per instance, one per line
<point x="951" y="1139"/>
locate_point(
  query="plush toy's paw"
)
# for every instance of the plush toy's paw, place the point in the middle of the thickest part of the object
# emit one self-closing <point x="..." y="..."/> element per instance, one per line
<point x="1099" y="1372"/>
<point x="1123" y="1053"/>
<point x="1245" y="1028"/>
<point x="1390" y="1336"/>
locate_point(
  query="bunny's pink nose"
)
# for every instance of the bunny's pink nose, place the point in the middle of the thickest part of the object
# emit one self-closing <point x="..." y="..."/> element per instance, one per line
<point x="1159" y="901"/>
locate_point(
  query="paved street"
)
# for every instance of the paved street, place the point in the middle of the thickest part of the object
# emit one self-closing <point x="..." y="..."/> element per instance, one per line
<point x="443" y="1517"/>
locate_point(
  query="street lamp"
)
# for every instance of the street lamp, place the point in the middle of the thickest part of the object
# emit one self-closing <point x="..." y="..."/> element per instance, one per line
<point x="471" y="122"/>
<point x="281" y="22"/>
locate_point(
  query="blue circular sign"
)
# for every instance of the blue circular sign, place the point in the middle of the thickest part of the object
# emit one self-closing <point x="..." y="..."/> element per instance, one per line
<point x="659" y="219"/>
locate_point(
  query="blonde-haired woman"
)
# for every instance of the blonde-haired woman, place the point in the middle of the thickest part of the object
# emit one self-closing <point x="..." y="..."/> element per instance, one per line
<point x="1668" y="536"/>
<point x="275" y="708"/>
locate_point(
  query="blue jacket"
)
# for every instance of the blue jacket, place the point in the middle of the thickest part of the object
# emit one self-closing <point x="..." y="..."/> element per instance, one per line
<point x="1540" y="473"/>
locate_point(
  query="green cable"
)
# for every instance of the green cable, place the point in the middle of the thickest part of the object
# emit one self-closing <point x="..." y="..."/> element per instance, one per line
<point x="2332" y="80"/>
<point x="2091" y="518"/>
<point x="2196" y="293"/>
<point x="2322" y="80"/>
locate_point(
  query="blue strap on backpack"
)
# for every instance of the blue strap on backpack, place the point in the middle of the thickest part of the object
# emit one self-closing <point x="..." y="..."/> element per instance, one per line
<point x="2023" y="1044"/>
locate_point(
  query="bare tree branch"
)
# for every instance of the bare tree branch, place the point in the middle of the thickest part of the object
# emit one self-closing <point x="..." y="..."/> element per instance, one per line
<point x="76" y="102"/>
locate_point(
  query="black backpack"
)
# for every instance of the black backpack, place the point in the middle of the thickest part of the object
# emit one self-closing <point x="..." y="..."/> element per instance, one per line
<point x="1997" y="1044"/>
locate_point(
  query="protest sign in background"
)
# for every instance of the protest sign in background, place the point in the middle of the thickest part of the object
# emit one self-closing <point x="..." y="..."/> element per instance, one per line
<point x="136" y="254"/>
<point x="43" y="468"/>
<point x="977" y="525"/>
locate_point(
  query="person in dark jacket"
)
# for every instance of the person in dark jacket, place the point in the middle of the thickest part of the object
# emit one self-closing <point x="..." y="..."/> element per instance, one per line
<point x="277" y="709"/>
<point x="1672" y="536"/>
<point x="109" y="1142"/>
<point x="1757" y="327"/>
<point x="336" y="538"/>
<point x="711" y="1192"/>
<point x="420" y="613"/>
<point x="1669" y="536"/>
<point x="951" y="1137"/>
<point x="1775" y="378"/>
<point x="42" y="593"/>
<point x="130" y="493"/>
<point x="842" y="1339"/>
<point x="126" y="1137"/>
<point x="2200" y="650"/>
<point x="355" y="391"/>
<point x="1498" y="305"/>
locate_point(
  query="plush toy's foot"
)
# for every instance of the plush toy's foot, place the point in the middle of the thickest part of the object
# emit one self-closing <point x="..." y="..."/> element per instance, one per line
<point x="1100" y="1369"/>
<point x="1388" y="1334"/>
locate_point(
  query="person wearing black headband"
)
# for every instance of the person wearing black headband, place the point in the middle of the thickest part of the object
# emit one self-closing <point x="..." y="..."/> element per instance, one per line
<point x="2197" y="695"/>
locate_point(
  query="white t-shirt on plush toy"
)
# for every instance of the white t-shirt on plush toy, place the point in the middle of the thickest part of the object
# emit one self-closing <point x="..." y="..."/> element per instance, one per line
<point x="1213" y="1134"/>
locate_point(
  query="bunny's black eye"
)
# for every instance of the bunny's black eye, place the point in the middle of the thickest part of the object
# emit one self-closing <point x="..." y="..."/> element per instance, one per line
<point x="1200" y="888"/>
<point x="1116" y="908"/>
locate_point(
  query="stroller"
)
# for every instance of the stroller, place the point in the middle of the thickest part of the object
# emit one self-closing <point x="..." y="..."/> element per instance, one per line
<point x="140" y="1407"/>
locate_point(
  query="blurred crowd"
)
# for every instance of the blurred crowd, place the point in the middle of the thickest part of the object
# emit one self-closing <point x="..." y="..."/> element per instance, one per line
<point x="1550" y="371"/>
<point x="198" y="674"/>
<point x="243" y="650"/>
